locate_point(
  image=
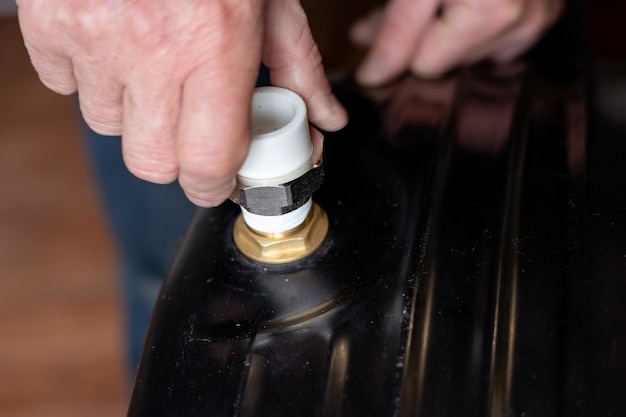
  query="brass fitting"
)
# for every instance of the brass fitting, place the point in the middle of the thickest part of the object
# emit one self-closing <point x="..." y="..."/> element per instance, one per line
<point x="281" y="248"/>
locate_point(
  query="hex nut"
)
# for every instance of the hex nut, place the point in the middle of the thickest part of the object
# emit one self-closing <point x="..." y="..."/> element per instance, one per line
<point x="275" y="200"/>
<point x="284" y="247"/>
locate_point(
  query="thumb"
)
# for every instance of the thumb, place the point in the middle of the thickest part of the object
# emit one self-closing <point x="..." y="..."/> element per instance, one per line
<point x="295" y="63"/>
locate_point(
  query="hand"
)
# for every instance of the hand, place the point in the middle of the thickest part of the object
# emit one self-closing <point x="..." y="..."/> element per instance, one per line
<point x="430" y="37"/>
<point x="175" y="78"/>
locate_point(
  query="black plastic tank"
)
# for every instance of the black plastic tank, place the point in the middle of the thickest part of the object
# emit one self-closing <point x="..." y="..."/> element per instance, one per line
<point x="475" y="263"/>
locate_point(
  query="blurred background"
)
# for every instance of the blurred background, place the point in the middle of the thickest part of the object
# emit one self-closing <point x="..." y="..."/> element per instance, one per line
<point x="61" y="348"/>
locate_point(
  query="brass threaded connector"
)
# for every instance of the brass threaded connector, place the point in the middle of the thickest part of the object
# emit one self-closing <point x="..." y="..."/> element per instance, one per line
<point x="281" y="248"/>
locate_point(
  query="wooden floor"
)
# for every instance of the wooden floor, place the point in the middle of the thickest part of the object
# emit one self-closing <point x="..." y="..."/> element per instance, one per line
<point x="60" y="325"/>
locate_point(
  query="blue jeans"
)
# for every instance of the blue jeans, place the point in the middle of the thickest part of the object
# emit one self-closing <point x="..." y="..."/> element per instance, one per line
<point x="147" y="221"/>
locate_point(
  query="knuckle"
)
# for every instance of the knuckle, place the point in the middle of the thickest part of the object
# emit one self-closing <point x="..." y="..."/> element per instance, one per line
<point x="313" y="57"/>
<point x="506" y="14"/>
<point x="306" y="55"/>
<point x="223" y="18"/>
<point x="86" y="22"/>
<point x="146" y="32"/>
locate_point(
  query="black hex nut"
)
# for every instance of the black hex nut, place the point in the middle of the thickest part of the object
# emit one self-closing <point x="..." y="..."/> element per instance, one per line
<point x="274" y="200"/>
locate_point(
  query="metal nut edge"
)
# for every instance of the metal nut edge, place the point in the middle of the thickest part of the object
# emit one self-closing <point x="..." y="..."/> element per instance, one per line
<point x="284" y="247"/>
<point x="275" y="200"/>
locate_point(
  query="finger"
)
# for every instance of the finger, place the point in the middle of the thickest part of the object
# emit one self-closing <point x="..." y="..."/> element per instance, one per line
<point x="508" y="44"/>
<point x="100" y="99"/>
<point x="214" y="124"/>
<point x="51" y="62"/>
<point x="55" y="71"/>
<point x="295" y="63"/>
<point x="214" y="135"/>
<point x="149" y="127"/>
<point x="363" y="32"/>
<point x="404" y="23"/>
<point x="461" y="32"/>
<point x="539" y="16"/>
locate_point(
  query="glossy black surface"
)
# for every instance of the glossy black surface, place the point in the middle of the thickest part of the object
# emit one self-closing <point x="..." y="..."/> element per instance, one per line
<point x="476" y="264"/>
<point x="234" y="337"/>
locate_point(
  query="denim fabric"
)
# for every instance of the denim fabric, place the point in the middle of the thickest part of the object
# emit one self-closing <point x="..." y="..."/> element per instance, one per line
<point x="147" y="222"/>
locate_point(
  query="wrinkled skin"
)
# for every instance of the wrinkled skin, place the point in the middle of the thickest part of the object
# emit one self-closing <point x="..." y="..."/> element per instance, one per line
<point x="175" y="77"/>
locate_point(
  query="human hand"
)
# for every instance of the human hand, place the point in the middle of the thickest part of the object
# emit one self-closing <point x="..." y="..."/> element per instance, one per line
<point x="175" y="78"/>
<point x="430" y="37"/>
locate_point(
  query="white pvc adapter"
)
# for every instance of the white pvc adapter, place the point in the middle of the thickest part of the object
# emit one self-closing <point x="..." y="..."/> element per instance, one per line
<point x="280" y="151"/>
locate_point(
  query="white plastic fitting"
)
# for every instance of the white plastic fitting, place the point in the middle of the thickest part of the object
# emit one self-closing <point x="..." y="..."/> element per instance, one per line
<point x="280" y="151"/>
